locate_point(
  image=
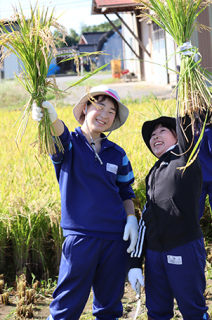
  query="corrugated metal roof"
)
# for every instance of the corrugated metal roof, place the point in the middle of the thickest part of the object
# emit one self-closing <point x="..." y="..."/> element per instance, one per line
<point x="108" y="6"/>
<point x="105" y="3"/>
<point x="92" y="37"/>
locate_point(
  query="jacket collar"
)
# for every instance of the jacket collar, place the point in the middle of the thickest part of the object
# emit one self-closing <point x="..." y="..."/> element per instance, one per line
<point x="172" y="148"/>
<point x="105" y="143"/>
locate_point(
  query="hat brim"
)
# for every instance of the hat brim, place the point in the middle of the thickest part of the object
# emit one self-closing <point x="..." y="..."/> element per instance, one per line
<point x="149" y="126"/>
<point x="123" y="111"/>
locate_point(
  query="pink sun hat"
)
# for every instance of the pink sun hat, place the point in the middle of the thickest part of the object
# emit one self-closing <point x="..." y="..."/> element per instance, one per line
<point x="103" y="90"/>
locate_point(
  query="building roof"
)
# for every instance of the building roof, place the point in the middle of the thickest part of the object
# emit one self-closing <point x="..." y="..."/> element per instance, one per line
<point x="108" y="6"/>
<point x="87" y="47"/>
<point x="114" y="2"/>
<point x="90" y="37"/>
<point x="105" y="37"/>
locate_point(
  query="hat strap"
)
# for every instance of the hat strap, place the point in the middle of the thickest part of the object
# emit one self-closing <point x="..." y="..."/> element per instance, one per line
<point x="93" y="142"/>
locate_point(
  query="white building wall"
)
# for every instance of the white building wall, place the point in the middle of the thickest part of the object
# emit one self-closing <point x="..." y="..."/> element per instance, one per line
<point x="11" y="66"/>
<point x="14" y="65"/>
<point x="161" y="50"/>
<point x="171" y="58"/>
<point x="131" y="62"/>
<point x="147" y="42"/>
<point x="159" y="68"/>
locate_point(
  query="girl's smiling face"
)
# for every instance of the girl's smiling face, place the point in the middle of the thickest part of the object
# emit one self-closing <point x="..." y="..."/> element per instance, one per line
<point x="161" y="140"/>
<point x="100" y="119"/>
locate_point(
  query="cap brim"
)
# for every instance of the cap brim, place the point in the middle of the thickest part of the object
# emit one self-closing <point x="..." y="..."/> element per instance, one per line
<point x="118" y="122"/>
<point x="149" y="126"/>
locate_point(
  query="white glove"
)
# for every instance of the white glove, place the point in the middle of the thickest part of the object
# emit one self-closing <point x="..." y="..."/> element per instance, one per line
<point x="134" y="275"/>
<point x="188" y="50"/>
<point x="131" y="230"/>
<point x="37" y="113"/>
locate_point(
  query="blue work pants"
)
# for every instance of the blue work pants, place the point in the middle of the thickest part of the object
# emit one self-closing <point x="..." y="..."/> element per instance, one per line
<point x="90" y="262"/>
<point x="179" y="274"/>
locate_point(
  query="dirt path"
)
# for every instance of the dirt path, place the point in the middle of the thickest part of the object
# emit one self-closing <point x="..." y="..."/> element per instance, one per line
<point x="133" y="89"/>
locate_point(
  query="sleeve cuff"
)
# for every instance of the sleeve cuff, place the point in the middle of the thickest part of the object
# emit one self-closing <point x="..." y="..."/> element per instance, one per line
<point x="136" y="263"/>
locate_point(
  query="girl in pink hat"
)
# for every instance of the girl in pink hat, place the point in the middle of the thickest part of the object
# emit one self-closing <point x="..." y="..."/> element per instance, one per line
<point x="97" y="211"/>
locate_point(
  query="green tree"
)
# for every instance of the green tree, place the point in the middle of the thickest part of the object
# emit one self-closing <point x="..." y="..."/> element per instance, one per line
<point x="71" y="39"/>
<point x="74" y="36"/>
<point x="106" y="26"/>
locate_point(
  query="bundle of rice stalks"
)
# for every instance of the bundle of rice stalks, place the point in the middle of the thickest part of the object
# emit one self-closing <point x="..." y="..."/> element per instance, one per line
<point x="32" y="41"/>
<point x="178" y="18"/>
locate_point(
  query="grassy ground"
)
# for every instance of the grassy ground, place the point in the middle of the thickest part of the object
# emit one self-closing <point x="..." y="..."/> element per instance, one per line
<point x="95" y="82"/>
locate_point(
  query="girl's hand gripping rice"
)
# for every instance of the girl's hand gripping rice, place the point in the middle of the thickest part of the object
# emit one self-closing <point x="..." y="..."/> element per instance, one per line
<point x="37" y="113"/>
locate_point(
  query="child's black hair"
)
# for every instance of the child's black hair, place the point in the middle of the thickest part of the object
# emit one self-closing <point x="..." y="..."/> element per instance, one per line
<point x="168" y="126"/>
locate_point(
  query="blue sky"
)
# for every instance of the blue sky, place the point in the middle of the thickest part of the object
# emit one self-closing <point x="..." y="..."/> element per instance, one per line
<point x="75" y="12"/>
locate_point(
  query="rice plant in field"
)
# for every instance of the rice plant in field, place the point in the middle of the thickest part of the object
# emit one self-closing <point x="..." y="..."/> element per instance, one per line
<point x="27" y="187"/>
<point x="3" y="243"/>
<point x="27" y="232"/>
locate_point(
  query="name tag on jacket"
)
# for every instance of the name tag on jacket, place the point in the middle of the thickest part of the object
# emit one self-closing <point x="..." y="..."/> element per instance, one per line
<point x="112" y="168"/>
<point x="174" y="259"/>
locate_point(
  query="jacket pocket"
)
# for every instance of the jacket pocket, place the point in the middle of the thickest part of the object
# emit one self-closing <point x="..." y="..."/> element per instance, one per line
<point x="169" y="219"/>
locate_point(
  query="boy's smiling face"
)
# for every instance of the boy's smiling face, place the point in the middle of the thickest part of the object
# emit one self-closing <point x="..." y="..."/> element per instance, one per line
<point x="161" y="140"/>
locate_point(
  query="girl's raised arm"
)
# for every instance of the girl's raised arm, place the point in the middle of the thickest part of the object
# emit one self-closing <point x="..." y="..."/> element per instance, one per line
<point x="37" y="115"/>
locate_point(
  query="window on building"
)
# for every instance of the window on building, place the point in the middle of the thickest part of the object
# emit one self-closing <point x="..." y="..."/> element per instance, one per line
<point x="157" y="33"/>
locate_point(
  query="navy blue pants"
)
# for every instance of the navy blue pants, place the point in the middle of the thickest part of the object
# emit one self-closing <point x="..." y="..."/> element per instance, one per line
<point x="90" y="262"/>
<point x="177" y="273"/>
<point x="206" y="189"/>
